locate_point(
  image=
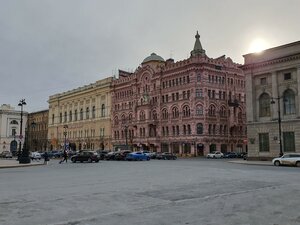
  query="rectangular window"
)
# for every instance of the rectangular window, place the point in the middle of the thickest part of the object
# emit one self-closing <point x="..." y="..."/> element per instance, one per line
<point x="263" y="81"/>
<point x="264" y="145"/>
<point x="287" y="76"/>
<point x="289" y="141"/>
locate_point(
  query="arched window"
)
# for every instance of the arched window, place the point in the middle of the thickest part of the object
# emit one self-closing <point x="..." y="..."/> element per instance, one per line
<point x="142" y="115"/>
<point x="81" y="114"/>
<point x="154" y="115"/>
<point x="223" y="111"/>
<point x="87" y="115"/>
<point x="14" y="122"/>
<point x="212" y="110"/>
<point x="199" y="110"/>
<point x="65" y="117"/>
<point x="165" y="114"/>
<point x="75" y="115"/>
<point x="175" y="112"/>
<point x="199" y="128"/>
<point x="116" y="120"/>
<point x="289" y="102"/>
<point x="103" y="110"/>
<point x="186" y="111"/>
<point x="264" y="105"/>
<point x="93" y="112"/>
<point x="130" y="118"/>
<point x="70" y="115"/>
<point x="123" y="119"/>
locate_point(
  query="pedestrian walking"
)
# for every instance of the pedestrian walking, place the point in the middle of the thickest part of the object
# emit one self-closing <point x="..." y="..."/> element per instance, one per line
<point x="65" y="157"/>
<point x="46" y="158"/>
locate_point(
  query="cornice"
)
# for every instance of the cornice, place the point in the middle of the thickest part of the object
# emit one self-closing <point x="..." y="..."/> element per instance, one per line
<point x="271" y="62"/>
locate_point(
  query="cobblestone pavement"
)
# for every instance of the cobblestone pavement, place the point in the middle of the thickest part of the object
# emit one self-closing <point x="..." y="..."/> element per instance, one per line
<point x="184" y="191"/>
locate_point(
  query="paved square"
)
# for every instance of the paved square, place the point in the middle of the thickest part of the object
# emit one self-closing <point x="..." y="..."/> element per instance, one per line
<point x="185" y="191"/>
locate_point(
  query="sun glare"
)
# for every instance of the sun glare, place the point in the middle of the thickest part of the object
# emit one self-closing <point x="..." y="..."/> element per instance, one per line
<point x="258" y="45"/>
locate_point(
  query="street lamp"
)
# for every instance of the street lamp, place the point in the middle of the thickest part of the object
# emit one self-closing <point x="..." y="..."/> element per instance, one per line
<point x="65" y="134"/>
<point x="279" y="123"/>
<point x="21" y="103"/>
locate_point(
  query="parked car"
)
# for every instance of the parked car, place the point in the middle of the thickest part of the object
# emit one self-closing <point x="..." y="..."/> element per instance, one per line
<point x="121" y="155"/>
<point x="291" y="159"/>
<point x="110" y="156"/>
<point x="215" y="155"/>
<point x="85" y="156"/>
<point x="102" y="153"/>
<point x="166" y="156"/>
<point x="241" y="154"/>
<point x="153" y="155"/>
<point x="230" y="155"/>
<point x="137" y="156"/>
<point x="35" y="156"/>
<point x="6" y="154"/>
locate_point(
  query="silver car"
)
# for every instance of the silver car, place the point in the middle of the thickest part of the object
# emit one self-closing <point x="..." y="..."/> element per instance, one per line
<point x="291" y="159"/>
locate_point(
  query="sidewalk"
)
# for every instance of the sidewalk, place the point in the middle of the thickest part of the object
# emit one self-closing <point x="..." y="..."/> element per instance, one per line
<point x="13" y="163"/>
<point x="246" y="162"/>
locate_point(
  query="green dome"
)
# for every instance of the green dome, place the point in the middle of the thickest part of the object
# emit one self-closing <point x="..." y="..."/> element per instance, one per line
<point x="153" y="57"/>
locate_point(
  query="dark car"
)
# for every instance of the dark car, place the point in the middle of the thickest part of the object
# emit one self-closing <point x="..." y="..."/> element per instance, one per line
<point x="230" y="155"/>
<point x="110" y="156"/>
<point x="86" y="156"/>
<point x="166" y="156"/>
<point x="241" y="154"/>
<point x="102" y="154"/>
<point x="121" y="155"/>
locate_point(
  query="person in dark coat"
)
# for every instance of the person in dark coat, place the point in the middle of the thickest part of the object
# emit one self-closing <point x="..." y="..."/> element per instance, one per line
<point x="65" y="157"/>
<point x="46" y="158"/>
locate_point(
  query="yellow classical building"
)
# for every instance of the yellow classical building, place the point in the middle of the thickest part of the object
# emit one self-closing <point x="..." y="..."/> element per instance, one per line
<point x="80" y="118"/>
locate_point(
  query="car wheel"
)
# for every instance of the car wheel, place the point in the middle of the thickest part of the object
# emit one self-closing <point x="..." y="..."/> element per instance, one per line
<point x="97" y="161"/>
<point x="298" y="164"/>
<point x="90" y="160"/>
<point x="73" y="160"/>
<point x="277" y="163"/>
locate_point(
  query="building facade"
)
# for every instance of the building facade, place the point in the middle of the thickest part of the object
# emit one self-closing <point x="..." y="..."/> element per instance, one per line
<point x="10" y="127"/>
<point x="190" y="107"/>
<point x="273" y="95"/>
<point x="80" y="118"/>
<point x="37" y="130"/>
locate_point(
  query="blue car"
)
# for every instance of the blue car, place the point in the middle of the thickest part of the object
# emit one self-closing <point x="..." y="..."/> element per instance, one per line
<point x="137" y="156"/>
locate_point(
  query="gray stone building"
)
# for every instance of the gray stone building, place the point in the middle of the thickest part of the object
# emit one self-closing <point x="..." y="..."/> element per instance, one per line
<point x="272" y="90"/>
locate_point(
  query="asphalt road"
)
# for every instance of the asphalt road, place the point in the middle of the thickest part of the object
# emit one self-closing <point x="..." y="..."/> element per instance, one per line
<point x="185" y="191"/>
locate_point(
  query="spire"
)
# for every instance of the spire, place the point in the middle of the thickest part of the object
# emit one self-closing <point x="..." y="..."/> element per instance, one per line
<point x="198" y="50"/>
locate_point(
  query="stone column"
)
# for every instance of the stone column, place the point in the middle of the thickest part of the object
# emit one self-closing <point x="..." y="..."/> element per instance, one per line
<point x="298" y="82"/>
<point x="251" y="109"/>
<point x="194" y="149"/>
<point x="274" y="107"/>
<point x="180" y="149"/>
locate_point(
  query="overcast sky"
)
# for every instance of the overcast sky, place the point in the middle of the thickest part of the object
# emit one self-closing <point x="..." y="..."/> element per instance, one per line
<point x="52" y="46"/>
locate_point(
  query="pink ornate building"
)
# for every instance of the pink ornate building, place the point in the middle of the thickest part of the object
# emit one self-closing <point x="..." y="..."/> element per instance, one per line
<point x="192" y="107"/>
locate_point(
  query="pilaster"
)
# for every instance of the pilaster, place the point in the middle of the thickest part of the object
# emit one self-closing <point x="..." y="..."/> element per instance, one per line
<point x="274" y="107"/>
<point x="298" y="91"/>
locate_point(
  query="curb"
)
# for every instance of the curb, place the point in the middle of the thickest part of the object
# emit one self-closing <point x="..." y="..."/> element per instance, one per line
<point x="19" y="165"/>
<point x="251" y="163"/>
